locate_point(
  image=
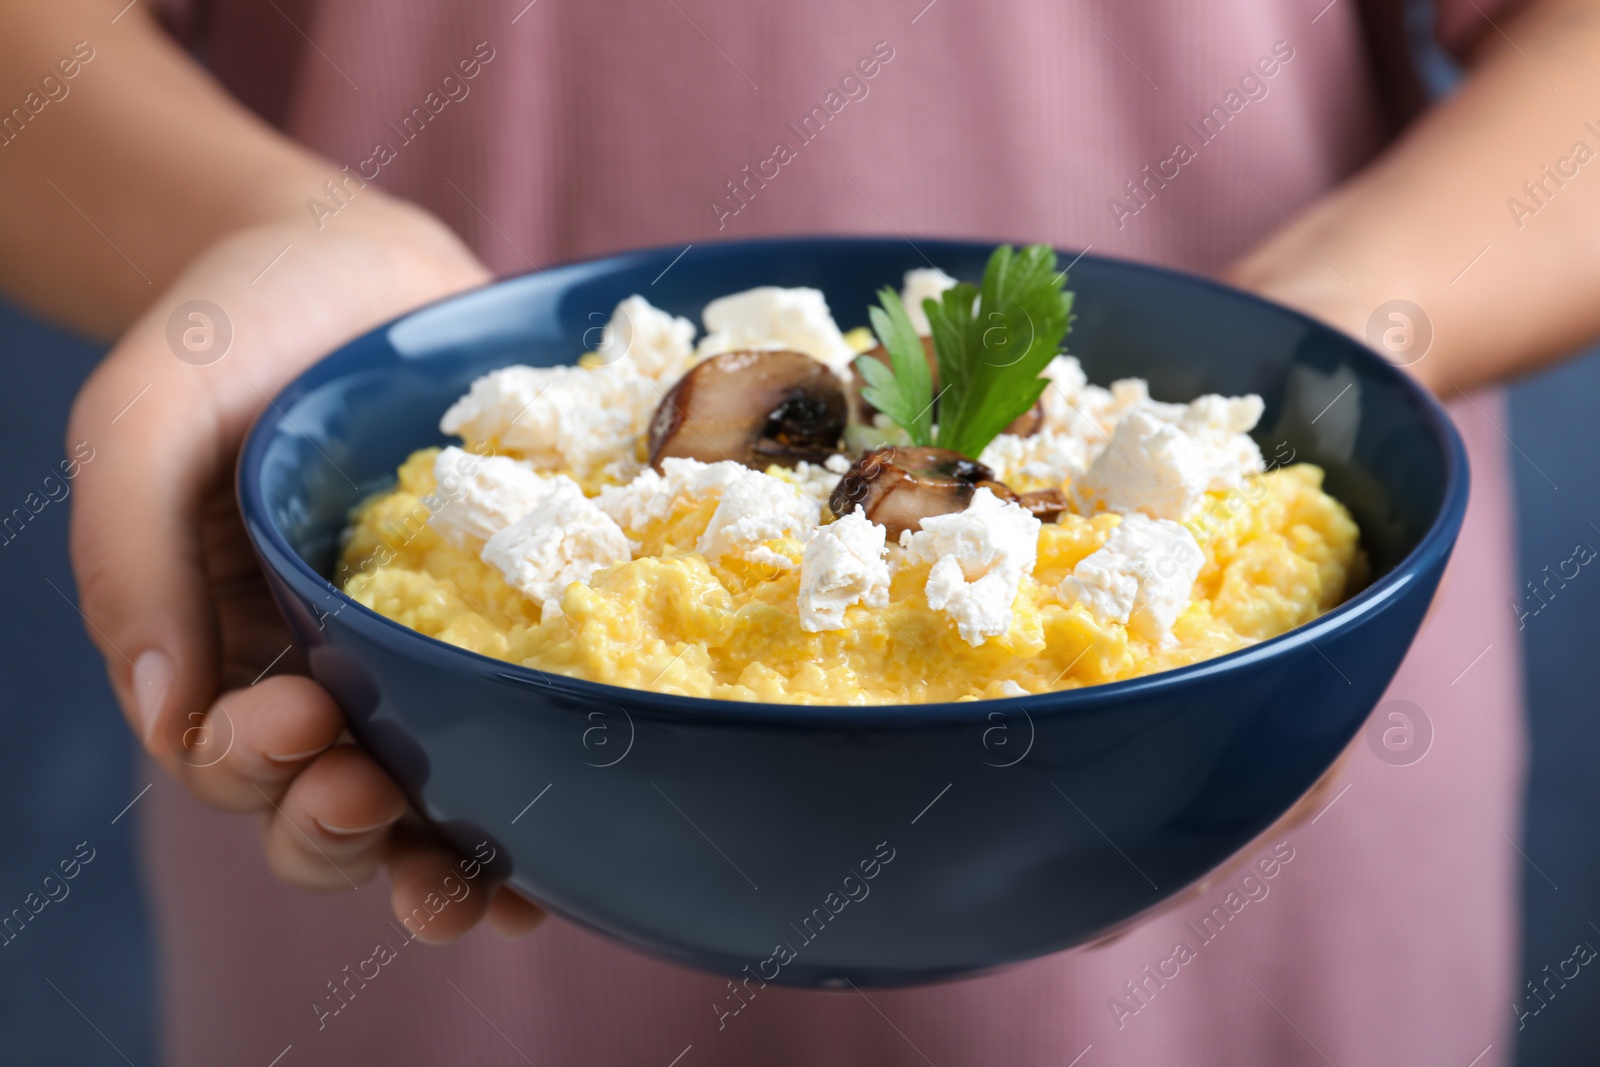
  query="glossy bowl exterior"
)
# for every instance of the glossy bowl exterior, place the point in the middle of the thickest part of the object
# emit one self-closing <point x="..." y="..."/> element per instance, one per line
<point x="881" y="845"/>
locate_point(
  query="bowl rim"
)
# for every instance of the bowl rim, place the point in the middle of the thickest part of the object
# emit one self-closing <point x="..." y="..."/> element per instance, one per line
<point x="1433" y="548"/>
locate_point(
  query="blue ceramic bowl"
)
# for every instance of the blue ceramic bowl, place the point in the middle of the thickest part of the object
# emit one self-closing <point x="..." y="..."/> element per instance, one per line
<point x="881" y="845"/>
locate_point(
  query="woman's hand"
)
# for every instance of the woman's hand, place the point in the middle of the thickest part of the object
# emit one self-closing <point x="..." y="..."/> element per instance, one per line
<point x="1467" y="218"/>
<point x="169" y="586"/>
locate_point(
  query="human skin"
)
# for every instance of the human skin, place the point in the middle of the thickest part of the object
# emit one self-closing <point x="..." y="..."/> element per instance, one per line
<point x="154" y="187"/>
<point x="1409" y="224"/>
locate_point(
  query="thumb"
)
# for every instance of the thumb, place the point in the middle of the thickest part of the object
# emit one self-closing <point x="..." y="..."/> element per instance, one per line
<point x="165" y="433"/>
<point x="148" y="447"/>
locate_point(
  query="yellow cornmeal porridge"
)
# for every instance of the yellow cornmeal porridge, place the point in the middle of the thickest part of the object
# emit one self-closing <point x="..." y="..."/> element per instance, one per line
<point x="783" y="512"/>
<point x="1278" y="551"/>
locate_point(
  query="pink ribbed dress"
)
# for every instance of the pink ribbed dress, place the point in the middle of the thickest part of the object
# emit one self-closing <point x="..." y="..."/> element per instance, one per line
<point x="562" y="128"/>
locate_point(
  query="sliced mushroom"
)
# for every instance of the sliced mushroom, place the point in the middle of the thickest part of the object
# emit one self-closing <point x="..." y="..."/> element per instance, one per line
<point x="1025" y="425"/>
<point x="1029" y="422"/>
<point x="1046" y="505"/>
<point x="899" y="487"/>
<point x="756" y="408"/>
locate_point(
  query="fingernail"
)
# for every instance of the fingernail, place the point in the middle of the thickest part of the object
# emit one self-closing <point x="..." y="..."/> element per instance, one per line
<point x="352" y="831"/>
<point x="296" y="757"/>
<point x="152" y="680"/>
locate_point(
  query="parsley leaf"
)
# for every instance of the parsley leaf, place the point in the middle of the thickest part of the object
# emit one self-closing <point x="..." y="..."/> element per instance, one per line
<point x="902" y="389"/>
<point x="994" y="342"/>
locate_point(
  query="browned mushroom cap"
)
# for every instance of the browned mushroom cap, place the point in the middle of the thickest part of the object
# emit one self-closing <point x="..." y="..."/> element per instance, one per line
<point x="899" y="487"/>
<point x="755" y="408"/>
<point x="1029" y="422"/>
<point x="1046" y="505"/>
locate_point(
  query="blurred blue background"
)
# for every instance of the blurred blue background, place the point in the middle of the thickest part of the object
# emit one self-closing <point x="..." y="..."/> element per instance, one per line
<point x="1551" y="423"/>
<point x="80" y="977"/>
<point x="66" y="766"/>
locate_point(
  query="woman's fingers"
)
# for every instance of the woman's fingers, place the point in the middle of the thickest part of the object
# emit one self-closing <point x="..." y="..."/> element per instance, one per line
<point x="135" y="544"/>
<point x="155" y="432"/>
<point x="164" y="576"/>
<point x="431" y="891"/>
<point x="512" y="915"/>
<point x="440" y="896"/>
<point x="331" y="811"/>
<point x="243" y="752"/>
<point x="331" y="829"/>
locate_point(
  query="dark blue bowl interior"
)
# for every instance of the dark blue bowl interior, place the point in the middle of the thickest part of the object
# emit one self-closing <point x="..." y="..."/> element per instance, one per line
<point x="1181" y="769"/>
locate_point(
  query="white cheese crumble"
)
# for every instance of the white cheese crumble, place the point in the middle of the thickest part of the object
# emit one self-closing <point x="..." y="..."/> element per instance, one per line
<point x="1163" y="458"/>
<point x="754" y="510"/>
<point x="565" y="539"/>
<point x="482" y="495"/>
<point x="1091" y="412"/>
<point x="817" y="482"/>
<point x="1062" y="399"/>
<point x="928" y="283"/>
<point x="1078" y="422"/>
<point x="1143" y="576"/>
<point x="580" y="419"/>
<point x="644" y="338"/>
<point x="1220" y="426"/>
<point x="769" y="317"/>
<point x="1048" y="457"/>
<point x="1149" y="466"/>
<point x="651" y="496"/>
<point x="843" y="564"/>
<point x="979" y="558"/>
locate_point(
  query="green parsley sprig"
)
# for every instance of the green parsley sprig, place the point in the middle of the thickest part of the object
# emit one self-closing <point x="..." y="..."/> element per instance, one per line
<point x="902" y="389"/>
<point x="992" y="343"/>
